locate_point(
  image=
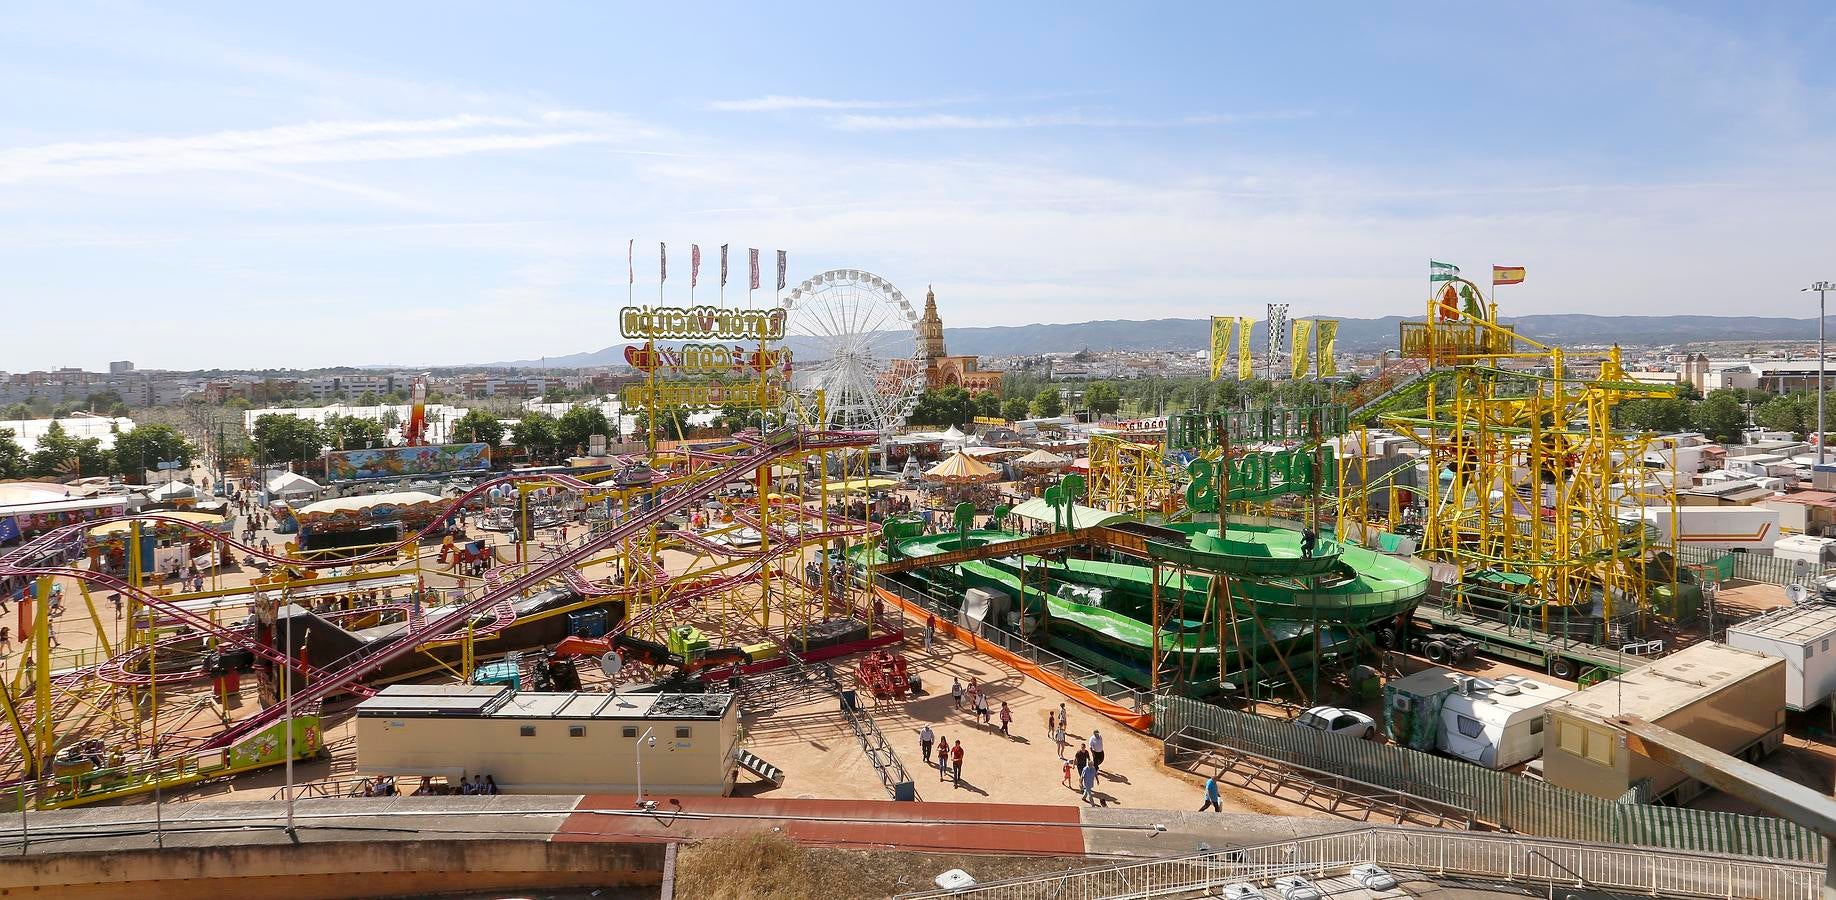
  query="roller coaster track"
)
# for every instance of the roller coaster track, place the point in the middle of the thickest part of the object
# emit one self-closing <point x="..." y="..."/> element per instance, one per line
<point x="348" y="673"/>
<point x="32" y="559"/>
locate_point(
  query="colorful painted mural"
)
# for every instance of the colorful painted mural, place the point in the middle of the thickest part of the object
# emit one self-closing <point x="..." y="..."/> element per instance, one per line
<point x="398" y="462"/>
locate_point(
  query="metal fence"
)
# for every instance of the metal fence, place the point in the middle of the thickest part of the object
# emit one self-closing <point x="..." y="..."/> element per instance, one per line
<point x="1745" y="566"/>
<point x="1499" y="798"/>
<point x="1106" y="686"/>
<point x="1422" y="853"/>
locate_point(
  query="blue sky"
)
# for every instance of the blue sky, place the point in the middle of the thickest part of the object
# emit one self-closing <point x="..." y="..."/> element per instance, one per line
<point x="191" y="185"/>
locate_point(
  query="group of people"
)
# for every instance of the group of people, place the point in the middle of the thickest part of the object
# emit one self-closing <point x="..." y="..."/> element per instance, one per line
<point x="976" y="696"/>
<point x="384" y="786"/>
<point x="949" y="757"/>
<point x="354" y="600"/>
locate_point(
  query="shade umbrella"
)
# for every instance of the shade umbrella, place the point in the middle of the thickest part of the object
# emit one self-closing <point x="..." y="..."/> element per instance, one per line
<point x="961" y="468"/>
<point x="1043" y="461"/>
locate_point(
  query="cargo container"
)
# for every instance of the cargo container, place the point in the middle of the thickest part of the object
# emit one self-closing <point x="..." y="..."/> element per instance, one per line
<point x="1727" y="698"/>
<point x="1799" y="635"/>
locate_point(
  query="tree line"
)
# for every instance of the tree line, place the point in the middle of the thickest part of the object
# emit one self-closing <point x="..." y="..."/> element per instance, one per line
<point x="58" y="454"/>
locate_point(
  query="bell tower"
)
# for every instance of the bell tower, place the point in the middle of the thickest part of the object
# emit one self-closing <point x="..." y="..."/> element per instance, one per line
<point x="930" y="330"/>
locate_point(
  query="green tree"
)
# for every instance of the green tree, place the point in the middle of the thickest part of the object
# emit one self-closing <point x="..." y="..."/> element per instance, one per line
<point x="106" y="403"/>
<point x="1013" y="409"/>
<point x="1103" y="398"/>
<point x="1720" y="416"/>
<point x="1796" y="413"/>
<point x="576" y="427"/>
<point x="282" y="437"/>
<point x="1664" y="415"/>
<point x="1047" y="403"/>
<point x="672" y="423"/>
<point x="535" y="433"/>
<point x="355" y="432"/>
<point x="59" y="454"/>
<point x="943" y="407"/>
<point x="368" y="398"/>
<point x="139" y="448"/>
<point x="988" y="404"/>
<point x="478" y="426"/>
<point x="12" y="456"/>
<point x="390" y="419"/>
<point x="17" y="411"/>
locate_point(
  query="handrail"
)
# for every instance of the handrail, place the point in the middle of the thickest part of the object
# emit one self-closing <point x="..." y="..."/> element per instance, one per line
<point x="1431" y="853"/>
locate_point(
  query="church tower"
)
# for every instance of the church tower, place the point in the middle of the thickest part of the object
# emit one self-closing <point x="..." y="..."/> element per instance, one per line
<point x="930" y="330"/>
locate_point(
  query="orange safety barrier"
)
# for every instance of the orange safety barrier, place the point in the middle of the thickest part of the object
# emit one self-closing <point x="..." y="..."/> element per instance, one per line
<point x="1141" y="721"/>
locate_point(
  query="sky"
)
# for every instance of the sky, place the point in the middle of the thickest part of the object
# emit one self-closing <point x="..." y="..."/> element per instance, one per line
<point x="193" y="185"/>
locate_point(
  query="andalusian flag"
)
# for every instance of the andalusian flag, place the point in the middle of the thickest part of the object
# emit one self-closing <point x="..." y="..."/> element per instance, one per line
<point x="1440" y="271"/>
<point x="1245" y="370"/>
<point x="1301" y="355"/>
<point x="1220" y="343"/>
<point x="1328" y="336"/>
<point x="1507" y="275"/>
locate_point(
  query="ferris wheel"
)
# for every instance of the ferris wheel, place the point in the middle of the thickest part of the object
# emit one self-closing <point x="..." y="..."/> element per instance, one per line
<point x="855" y="337"/>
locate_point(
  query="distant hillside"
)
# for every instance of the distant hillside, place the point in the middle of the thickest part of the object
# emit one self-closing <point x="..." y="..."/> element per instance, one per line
<point x="1355" y="335"/>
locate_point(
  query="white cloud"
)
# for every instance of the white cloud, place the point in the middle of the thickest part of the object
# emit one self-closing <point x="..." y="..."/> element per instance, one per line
<point x="780" y="103"/>
<point x="1048" y="120"/>
<point x="318" y="142"/>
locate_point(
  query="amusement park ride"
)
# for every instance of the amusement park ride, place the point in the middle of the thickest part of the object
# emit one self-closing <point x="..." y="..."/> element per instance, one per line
<point x="730" y="517"/>
<point x="1253" y="560"/>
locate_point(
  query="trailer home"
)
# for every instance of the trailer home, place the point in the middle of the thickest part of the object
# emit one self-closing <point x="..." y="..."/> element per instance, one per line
<point x="1493" y="723"/>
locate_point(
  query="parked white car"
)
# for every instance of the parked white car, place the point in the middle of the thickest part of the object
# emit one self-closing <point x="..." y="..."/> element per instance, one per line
<point x="1339" y="721"/>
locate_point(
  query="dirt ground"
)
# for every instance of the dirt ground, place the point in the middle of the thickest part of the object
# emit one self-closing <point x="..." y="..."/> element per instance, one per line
<point x="813" y="743"/>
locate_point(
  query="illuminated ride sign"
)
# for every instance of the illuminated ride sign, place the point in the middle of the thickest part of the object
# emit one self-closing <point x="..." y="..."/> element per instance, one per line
<point x="1260" y="476"/>
<point x="701" y="322"/>
<point x="708" y="359"/>
<point x="704" y="394"/>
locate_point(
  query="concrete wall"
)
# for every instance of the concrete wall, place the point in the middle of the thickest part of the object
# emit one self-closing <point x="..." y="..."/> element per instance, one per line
<point x="346" y="869"/>
<point x="551" y="761"/>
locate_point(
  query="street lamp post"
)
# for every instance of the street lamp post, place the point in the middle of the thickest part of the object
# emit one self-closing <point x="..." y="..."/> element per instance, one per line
<point x="1820" y="287"/>
<point x="643" y="739"/>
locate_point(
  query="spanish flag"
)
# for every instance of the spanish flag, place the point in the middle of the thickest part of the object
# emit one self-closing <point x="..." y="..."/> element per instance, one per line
<point x="1507" y="275"/>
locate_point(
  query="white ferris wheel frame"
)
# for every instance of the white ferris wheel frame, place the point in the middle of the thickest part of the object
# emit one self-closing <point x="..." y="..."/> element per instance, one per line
<point x="861" y="340"/>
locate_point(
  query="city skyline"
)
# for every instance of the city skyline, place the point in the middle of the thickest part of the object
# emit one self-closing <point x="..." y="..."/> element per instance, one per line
<point x="260" y="188"/>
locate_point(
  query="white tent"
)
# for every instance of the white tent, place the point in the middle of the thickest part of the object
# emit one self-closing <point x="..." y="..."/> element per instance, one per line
<point x="290" y="485"/>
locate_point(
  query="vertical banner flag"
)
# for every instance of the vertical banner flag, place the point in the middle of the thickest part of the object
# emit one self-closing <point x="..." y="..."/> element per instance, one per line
<point x="630" y="273"/>
<point x="1278" y="337"/>
<point x="754" y="255"/>
<point x="1245" y="370"/>
<point x="694" y="266"/>
<point x="1507" y="275"/>
<point x="662" y="262"/>
<point x="1327" y="333"/>
<point x="723" y="265"/>
<point x="782" y="265"/>
<point x="1303" y="352"/>
<point x="1440" y="271"/>
<point x="1220" y="343"/>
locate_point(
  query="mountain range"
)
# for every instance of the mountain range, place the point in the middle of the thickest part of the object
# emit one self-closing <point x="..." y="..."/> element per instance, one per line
<point x="1355" y="336"/>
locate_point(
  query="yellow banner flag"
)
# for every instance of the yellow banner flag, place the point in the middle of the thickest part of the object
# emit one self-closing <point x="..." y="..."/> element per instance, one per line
<point x="1300" y="353"/>
<point x="1220" y="343"/>
<point x="1245" y="371"/>
<point x="1326" y="331"/>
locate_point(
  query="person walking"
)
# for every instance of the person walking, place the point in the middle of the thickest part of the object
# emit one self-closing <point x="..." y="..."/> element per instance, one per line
<point x="1007" y="717"/>
<point x="1051" y="725"/>
<point x="956" y="692"/>
<point x="1059" y="736"/>
<point x="930" y="631"/>
<point x="981" y="706"/>
<point x="1096" y="749"/>
<point x="1081" y="758"/>
<point x="1066" y="780"/>
<point x="943" y="760"/>
<point x="1089" y="778"/>
<point x="925" y="737"/>
<point x="1064" y="716"/>
<point x="956" y="764"/>
<point x="1212" y="801"/>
